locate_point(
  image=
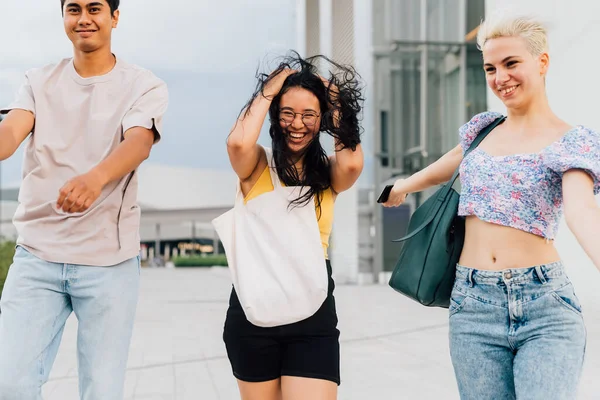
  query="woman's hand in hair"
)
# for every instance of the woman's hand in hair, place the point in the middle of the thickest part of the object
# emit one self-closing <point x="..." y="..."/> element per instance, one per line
<point x="275" y="82"/>
<point x="334" y="101"/>
<point x="347" y="162"/>
<point x="332" y="90"/>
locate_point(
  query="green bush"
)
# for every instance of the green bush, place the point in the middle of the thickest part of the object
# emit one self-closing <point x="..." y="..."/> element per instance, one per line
<point x="201" y="261"/>
<point x="7" y="251"/>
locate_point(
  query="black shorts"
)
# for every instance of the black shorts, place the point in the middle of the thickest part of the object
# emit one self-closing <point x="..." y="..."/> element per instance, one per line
<point x="309" y="348"/>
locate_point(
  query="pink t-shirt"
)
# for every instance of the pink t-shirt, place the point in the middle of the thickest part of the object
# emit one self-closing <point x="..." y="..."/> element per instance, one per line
<point x="78" y="123"/>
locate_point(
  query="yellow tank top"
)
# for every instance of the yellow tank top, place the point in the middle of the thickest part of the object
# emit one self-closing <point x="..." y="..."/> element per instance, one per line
<point x="325" y="220"/>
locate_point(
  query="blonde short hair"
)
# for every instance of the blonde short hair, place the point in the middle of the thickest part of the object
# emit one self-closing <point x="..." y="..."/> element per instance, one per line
<point x="530" y="29"/>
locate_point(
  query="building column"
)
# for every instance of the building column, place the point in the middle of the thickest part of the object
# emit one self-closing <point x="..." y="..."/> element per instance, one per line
<point x="167" y="252"/>
<point x="216" y="242"/>
<point x="326" y="27"/>
<point x="193" y="237"/>
<point x="157" y="241"/>
<point x="301" y="27"/>
<point x="364" y="64"/>
<point x="343" y="251"/>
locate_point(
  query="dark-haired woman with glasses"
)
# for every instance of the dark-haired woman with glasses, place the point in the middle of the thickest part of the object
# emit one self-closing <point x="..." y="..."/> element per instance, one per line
<point x="300" y="360"/>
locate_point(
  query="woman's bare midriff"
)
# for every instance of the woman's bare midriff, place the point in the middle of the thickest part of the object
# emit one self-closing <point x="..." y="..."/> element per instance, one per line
<point x="495" y="247"/>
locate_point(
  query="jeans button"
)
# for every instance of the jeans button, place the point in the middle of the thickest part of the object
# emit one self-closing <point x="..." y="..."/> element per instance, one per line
<point x="507" y="275"/>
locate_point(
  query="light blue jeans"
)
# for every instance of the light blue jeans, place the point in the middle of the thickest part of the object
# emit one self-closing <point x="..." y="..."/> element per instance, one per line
<point x="516" y="334"/>
<point x="38" y="297"/>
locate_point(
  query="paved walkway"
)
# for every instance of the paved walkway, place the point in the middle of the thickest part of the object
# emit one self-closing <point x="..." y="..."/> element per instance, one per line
<point x="392" y="348"/>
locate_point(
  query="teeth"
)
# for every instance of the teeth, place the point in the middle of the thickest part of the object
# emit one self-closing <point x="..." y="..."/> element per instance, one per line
<point x="508" y="90"/>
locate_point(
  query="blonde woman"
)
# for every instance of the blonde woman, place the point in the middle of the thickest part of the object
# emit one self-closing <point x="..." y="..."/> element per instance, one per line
<point x="516" y="327"/>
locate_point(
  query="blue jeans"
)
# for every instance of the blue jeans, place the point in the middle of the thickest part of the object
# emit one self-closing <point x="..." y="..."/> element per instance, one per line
<point x="516" y="334"/>
<point x="38" y="298"/>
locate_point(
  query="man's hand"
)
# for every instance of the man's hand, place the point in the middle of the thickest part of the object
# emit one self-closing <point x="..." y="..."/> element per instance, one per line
<point x="79" y="193"/>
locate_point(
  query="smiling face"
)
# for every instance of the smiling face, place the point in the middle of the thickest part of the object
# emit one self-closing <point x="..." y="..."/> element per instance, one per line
<point x="299" y="118"/>
<point x="514" y="75"/>
<point x="89" y="23"/>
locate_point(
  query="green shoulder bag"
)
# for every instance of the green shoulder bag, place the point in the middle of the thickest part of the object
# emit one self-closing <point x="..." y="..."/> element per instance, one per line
<point x="426" y="267"/>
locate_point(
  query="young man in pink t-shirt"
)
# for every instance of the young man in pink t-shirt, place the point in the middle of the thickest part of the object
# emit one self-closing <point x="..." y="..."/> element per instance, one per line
<point x="90" y="121"/>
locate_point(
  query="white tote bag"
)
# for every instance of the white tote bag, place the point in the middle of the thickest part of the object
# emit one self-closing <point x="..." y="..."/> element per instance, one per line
<point x="275" y="255"/>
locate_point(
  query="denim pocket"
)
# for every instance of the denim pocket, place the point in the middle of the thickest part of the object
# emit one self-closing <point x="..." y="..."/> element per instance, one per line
<point x="567" y="298"/>
<point x="457" y="302"/>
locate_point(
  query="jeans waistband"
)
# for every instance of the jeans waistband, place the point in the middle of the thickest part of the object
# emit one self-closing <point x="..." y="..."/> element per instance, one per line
<point x="539" y="273"/>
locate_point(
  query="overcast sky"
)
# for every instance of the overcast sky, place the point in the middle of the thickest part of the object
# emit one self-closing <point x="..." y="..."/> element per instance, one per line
<point x="207" y="51"/>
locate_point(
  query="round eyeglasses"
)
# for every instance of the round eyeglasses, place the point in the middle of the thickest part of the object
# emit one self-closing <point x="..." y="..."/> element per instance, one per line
<point x="309" y="118"/>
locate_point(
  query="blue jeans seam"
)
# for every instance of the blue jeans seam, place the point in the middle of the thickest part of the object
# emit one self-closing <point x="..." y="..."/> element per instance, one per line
<point x="480" y="300"/>
<point x="462" y="304"/>
<point x="541" y="295"/>
<point x="42" y="355"/>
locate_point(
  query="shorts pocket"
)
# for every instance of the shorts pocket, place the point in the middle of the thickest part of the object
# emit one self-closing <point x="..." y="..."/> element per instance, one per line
<point x="567" y="298"/>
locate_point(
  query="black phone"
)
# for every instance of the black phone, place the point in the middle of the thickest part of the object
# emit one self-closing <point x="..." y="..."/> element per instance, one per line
<point x="383" y="197"/>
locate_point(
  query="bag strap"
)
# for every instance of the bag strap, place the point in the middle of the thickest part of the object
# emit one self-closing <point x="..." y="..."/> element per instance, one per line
<point x="482" y="135"/>
<point x="448" y="185"/>
<point x="239" y="197"/>
<point x="272" y="168"/>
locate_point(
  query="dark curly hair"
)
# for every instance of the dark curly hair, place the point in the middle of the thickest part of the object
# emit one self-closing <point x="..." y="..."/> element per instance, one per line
<point x="341" y="96"/>
<point x="113" y="4"/>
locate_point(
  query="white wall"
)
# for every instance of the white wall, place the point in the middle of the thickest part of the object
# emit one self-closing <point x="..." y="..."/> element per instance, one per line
<point x="573" y="92"/>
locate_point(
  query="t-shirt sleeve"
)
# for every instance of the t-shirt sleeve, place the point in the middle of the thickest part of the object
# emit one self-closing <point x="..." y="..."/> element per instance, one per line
<point x="469" y="131"/>
<point x="148" y="110"/>
<point x="24" y="99"/>
<point x="578" y="150"/>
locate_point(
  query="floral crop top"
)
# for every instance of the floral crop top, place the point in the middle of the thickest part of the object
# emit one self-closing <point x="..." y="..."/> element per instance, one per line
<point x="523" y="191"/>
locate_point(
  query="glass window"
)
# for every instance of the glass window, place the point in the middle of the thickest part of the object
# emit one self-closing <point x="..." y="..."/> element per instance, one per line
<point x="443" y="21"/>
<point x="404" y="18"/>
<point x="385" y="148"/>
<point x="455" y="85"/>
<point x="476" y="83"/>
<point x="475" y="13"/>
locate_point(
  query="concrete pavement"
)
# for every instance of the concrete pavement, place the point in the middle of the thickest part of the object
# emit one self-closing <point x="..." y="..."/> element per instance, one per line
<point x="392" y="348"/>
